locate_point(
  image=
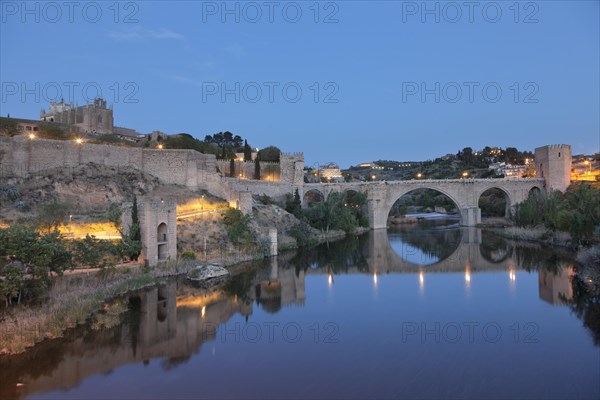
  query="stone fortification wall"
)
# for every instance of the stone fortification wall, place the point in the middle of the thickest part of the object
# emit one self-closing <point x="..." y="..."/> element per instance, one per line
<point x="24" y="157"/>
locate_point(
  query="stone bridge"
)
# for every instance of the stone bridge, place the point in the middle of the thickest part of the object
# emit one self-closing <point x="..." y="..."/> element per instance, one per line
<point x="465" y="194"/>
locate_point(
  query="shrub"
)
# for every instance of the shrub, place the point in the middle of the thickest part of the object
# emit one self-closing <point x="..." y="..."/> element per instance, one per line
<point x="188" y="255"/>
<point x="302" y="233"/>
<point x="236" y="225"/>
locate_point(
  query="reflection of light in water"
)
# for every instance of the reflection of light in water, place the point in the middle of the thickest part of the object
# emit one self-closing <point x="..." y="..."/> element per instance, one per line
<point x="330" y="280"/>
<point x="468" y="278"/>
<point x="421" y="282"/>
<point x="375" y="278"/>
<point x="203" y="312"/>
<point x="512" y="276"/>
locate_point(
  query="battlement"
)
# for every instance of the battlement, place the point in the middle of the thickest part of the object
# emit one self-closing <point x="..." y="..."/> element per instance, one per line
<point x="558" y="146"/>
<point x="293" y="155"/>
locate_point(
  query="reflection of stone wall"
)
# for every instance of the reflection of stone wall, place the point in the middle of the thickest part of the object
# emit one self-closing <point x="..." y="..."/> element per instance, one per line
<point x="556" y="288"/>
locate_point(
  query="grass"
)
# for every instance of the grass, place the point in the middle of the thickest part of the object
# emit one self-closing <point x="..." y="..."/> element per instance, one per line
<point x="74" y="299"/>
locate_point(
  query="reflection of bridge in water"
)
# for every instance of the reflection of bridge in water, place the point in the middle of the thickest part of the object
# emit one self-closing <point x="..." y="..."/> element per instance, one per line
<point x="175" y="321"/>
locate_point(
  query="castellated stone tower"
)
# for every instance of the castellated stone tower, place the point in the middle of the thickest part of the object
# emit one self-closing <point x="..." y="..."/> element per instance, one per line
<point x="292" y="168"/>
<point x="553" y="163"/>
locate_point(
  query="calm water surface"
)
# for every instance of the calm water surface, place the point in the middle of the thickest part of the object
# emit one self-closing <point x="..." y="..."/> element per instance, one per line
<point x="433" y="311"/>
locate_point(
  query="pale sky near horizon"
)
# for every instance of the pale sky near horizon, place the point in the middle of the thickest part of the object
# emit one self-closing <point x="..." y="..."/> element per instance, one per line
<point x="342" y="81"/>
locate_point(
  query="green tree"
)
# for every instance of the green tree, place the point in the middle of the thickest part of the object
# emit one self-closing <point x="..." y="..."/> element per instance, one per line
<point x="53" y="215"/>
<point x="232" y="168"/>
<point x="91" y="251"/>
<point x="293" y="204"/>
<point x="257" y="169"/>
<point x="270" y="153"/>
<point x="247" y="151"/>
<point x="132" y="242"/>
<point x="236" y="225"/>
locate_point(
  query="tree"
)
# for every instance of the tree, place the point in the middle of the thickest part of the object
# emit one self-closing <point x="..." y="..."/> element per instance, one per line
<point x="30" y="253"/>
<point x="226" y="141"/>
<point x="91" y="251"/>
<point x="53" y="215"/>
<point x="270" y="153"/>
<point x="247" y="151"/>
<point x="232" y="168"/>
<point x="257" y="169"/>
<point x="132" y="242"/>
<point x="293" y="204"/>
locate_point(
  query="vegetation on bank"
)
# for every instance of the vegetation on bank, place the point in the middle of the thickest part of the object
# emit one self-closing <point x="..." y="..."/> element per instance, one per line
<point x="30" y="252"/>
<point x="577" y="212"/>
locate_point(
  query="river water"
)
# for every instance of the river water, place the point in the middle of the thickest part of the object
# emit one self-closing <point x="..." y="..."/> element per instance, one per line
<point x="427" y="311"/>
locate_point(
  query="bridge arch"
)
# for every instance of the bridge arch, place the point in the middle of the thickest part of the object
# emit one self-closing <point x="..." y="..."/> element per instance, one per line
<point x="397" y="193"/>
<point x="491" y="191"/>
<point x="313" y="196"/>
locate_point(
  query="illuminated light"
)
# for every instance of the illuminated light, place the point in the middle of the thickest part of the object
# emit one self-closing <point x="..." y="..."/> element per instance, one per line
<point x="468" y="277"/>
<point x="79" y="140"/>
<point x="419" y="175"/>
<point x="512" y="276"/>
<point x="421" y="278"/>
<point x="31" y="136"/>
<point x="373" y="177"/>
<point x="375" y="278"/>
<point x="160" y="146"/>
<point x="330" y="280"/>
<point x="465" y="174"/>
<point x="203" y="312"/>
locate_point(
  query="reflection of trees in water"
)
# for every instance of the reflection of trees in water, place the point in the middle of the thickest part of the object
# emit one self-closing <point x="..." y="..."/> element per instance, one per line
<point x="434" y="242"/>
<point x="532" y="257"/>
<point x="240" y="285"/>
<point x="338" y="256"/>
<point x="494" y="248"/>
<point x="586" y="306"/>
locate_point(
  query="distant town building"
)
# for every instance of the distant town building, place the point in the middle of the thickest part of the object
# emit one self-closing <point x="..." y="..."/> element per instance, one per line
<point x="93" y="118"/>
<point x="585" y="168"/>
<point x="511" y="170"/>
<point x="371" y="165"/>
<point x="331" y="172"/>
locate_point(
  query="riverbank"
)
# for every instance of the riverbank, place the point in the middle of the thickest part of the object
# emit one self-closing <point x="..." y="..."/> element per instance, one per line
<point x="78" y="297"/>
<point x="538" y="234"/>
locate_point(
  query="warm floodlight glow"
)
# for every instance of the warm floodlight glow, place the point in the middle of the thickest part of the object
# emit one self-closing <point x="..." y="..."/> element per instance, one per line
<point x="419" y="175"/>
<point x="203" y="312"/>
<point x="465" y="174"/>
<point x="330" y="280"/>
<point x="32" y="136"/>
<point x="160" y="146"/>
<point x="375" y="278"/>
<point x="79" y="140"/>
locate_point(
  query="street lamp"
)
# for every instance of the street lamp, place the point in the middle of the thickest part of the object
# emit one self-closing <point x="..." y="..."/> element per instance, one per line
<point x="419" y="175"/>
<point x="32" y="136"/>
<point x="79" y="140"/>
<point x="160" y="146"/>
<point x="589" y="164"/>
<point x="465" y="174"/>
<point x="373" y="177"/>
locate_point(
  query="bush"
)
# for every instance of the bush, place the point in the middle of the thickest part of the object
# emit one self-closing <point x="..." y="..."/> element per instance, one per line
<point x="188" y="255"/>
<point x="236" y="225"/>
<point x="265" y="199"/>
<point x="577" y="211"/>
<point x="302" y="233"/>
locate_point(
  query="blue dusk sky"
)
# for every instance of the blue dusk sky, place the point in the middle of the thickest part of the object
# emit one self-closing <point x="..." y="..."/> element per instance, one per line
<point x="345" y="81"/>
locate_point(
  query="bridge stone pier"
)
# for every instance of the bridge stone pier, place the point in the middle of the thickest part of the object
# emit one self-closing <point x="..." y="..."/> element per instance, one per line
<point x="465" y="194"/>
